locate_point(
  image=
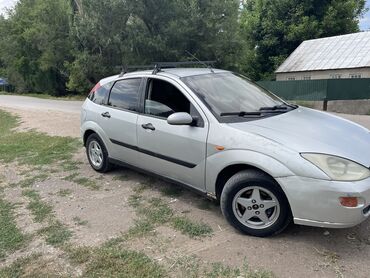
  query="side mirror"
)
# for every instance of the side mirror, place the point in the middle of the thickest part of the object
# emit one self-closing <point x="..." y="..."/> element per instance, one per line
<point x="180" y="118"/>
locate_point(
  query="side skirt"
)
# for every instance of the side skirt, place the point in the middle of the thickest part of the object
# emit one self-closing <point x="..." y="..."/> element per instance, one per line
<point x="124" y="164"/>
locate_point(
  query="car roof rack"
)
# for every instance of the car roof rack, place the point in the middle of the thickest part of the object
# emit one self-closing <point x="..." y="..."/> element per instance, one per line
<point x="158" y="66"/>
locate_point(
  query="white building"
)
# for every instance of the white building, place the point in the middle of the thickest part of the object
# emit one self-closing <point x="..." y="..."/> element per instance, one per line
<point x="346" y="56"/>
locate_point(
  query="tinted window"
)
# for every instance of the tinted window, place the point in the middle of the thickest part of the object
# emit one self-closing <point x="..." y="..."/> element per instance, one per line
<point x="99" y="95"/>
<point x="124" y="94"/>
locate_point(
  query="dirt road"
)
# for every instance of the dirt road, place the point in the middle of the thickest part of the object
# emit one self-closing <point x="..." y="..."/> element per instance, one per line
<point x="298" y="252"/>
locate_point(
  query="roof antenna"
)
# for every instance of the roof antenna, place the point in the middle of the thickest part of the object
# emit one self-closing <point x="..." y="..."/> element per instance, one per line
<point x="204" y="64"/>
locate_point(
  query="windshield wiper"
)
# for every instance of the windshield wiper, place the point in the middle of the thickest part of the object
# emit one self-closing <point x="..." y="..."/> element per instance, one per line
<point x="240" y="114"/>
<point x="278" y="107"/>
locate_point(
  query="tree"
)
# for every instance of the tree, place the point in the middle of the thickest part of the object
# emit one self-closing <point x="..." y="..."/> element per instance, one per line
<point x="35" y="45"/>
<point x="274" y="28"/>
<point x="110" y="33"/>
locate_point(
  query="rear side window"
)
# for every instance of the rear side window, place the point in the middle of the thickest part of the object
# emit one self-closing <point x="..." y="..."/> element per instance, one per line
<point x="99" y="93"/>
<point x="125" y="94"/>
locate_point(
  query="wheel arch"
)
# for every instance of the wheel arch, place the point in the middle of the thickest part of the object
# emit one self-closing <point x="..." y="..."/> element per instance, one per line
<point x="86" y="135"/>
<point x="230" y="170"/>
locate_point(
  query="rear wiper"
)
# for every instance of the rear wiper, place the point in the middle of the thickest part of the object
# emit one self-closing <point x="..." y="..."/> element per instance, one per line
<point x="240" y="114"/>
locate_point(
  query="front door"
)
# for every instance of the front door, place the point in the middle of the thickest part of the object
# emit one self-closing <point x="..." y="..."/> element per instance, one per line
<point x="177" y="152"/>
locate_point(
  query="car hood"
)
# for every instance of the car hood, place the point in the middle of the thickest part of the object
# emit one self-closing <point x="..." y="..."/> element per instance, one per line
<point x="307" y="130"/>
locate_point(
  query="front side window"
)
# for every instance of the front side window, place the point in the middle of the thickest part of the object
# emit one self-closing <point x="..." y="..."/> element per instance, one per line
<point x="125" y="94"/>
<point x="163" y="99"/>
<point x="227" y="94"/>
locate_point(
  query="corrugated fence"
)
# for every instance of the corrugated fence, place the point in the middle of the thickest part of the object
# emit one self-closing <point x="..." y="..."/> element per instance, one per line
<point x="328" y="89"/>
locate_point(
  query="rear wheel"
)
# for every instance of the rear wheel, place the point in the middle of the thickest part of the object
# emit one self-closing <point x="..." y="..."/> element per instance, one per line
<point x="97" y="153"/>
<point x="253" y="203"/>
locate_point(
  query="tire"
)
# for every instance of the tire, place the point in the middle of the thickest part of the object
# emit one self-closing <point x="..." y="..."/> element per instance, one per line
<point x="254" y="203"/>
<point x="102" y="164"/>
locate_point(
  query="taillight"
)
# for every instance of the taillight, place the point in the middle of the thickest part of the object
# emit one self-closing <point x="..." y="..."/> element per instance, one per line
<point x="96" y="87"/>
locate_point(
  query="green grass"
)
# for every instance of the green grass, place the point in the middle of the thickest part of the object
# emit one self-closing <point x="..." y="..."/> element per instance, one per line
<point x="56" y="234"/>
<point x="64" y="192"/>
<point x="83" y="181"/>
<point x="110" y="260"/>
<point x="120" y="177"/>
<point x="32" y="148"/>
<point x="11" y="238"/>
<point x="193" y="267"/>
<point x="156" y="211"/>
<point x="39" y="209"/>
<point x="46" y="96"/>
<point x="29" y="181"/>
<point x="141" y="228"/>
<point x="17" y="268"/>
<point x="78" y="221"/>
<point x="70" y="165"/>
<point x="115" y="262"/>
<point x="190" y="227"/>
<point x="79" y="255"/>
<point x="87" y="182"/>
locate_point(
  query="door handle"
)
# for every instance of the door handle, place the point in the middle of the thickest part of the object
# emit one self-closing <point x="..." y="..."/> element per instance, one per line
<point x="148" y="126"/>
<point x="105" y="115"/>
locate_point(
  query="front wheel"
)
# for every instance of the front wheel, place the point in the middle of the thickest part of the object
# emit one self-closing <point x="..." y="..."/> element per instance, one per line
<point x="97" y="153"/>
<point x="254" y="204"/>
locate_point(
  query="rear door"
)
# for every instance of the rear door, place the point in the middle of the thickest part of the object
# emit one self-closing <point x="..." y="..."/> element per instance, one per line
<point x="118" y="118"/>
<point x="177" y="152"/>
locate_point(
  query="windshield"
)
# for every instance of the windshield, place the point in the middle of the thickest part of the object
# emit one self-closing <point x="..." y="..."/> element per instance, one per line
<point x="227" y="93"/>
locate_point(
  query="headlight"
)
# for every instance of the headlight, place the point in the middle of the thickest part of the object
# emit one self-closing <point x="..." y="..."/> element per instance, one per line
<point x="338" y="168"/>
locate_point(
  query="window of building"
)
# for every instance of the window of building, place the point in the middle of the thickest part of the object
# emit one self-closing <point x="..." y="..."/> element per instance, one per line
<point x="307" y="77"/>
<point x="355" y="75"/>
<point x="124" y="94"/>
<point x="335" y="76"/>
<point x="291" y="78"/>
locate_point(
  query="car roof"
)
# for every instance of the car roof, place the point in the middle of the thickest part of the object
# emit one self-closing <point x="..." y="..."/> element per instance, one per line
<point x="169" y="72"/>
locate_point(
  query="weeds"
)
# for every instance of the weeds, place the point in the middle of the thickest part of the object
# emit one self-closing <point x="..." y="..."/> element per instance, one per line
<point x="83" y="181"/>
<point x="191" y="228"/>
<point x="64" y="192"/>
<point x="11" y="238"/>
<point x="39" y="209"/>
<point x="32" y="148"/>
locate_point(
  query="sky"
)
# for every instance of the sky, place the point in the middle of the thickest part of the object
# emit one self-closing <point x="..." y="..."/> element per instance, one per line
<point x="364" y="22"/>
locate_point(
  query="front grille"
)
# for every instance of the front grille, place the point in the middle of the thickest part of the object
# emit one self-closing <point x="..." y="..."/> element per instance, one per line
<point x="366" y="210"/>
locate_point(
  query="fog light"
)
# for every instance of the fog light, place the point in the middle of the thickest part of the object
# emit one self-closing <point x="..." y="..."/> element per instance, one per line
<point x="350" y="202"/>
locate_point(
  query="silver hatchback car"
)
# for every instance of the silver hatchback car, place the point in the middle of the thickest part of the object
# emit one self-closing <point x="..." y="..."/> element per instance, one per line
<point x="268" y="162"/>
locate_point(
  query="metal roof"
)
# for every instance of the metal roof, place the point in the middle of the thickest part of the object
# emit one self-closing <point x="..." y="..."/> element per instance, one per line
<point x="339" y="52"/>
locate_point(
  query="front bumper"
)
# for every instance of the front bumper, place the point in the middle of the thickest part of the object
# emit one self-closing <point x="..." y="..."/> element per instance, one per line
<point x="316" y="202"/>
